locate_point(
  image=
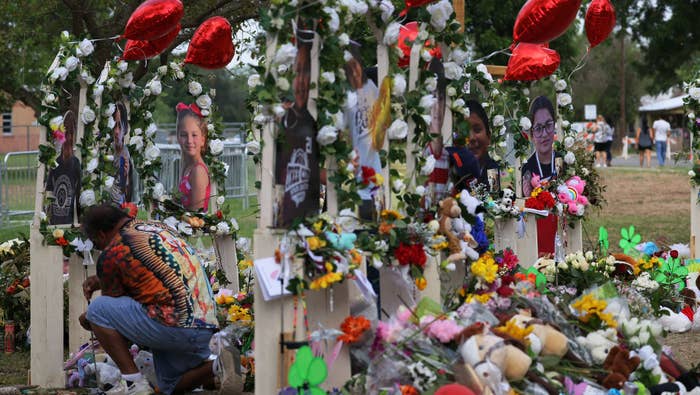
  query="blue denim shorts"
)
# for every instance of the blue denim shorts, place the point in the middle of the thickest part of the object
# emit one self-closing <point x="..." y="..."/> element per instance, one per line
<point x="175" y="350"/>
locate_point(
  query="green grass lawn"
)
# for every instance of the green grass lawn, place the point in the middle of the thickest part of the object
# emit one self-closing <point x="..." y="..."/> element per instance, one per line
<point x="13" y="368"/>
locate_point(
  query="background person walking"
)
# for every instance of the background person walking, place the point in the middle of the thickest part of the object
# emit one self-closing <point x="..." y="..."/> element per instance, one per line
<point x="661" y="128"/>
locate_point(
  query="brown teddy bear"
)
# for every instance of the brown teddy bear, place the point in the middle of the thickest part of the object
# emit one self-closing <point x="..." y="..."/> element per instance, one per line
<point x="456" y="230"/>
<point x="619" y="365"/>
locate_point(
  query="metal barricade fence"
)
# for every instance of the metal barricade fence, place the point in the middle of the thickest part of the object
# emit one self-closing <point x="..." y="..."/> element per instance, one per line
<point x="17" y="185"/>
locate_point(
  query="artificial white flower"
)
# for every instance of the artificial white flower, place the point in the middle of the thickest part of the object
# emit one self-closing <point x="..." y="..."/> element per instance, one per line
<point x="344" y="39"/>
<point x="85" y="48"/>
<point x="88" y="115"/>
<point x="286" y="54"/>
<point x="398" y="130"/>
<point x="283" y="84"/>
<point x="481" y="68"/>
<point x="338" y="120"/>
<point x="122" y="66"/>
<point x="525" y="123"/>
<point x="59" y="73"/>
<point x="427" y="119"/>
<point x="87" y="198"/>
<point x="137" y="142"/>
<point x="203" y="101"/>
<point x="211" y="127"/>
<point x="347" y="56"/>
<point x="431" y="84"/>
<point x="97" y="91"/>
<point x="278" y="110"/>
<point x="560" y="85"/>
<point x="327" y="135"/>
<point x="184" y="227"/>
<point x="222" y="228"/>
<point x="429" y="165"/>
<point x="355" y="7"/>
<point x="108" y="158"/>
<point x="163" y="70"/>
<point x="195" y="88"/>
<point x="205" y="112"/>
<point x="220" y="200"/>
<point x="498" y="121"/>
<point x="426" y="56"/>
<point x="563" y="99"/>
<point x="451" y="91"/>
<point x="458" y="56"/>
<point x="126" y="80"/>
<point x="691" y="173"/>
<point x="333" y="20"/>
<point x="569" y="158"/>
<point x="179" y="74"/>
<point x="453" y="71"/>
<point x="253" y="147"/>
<point x="398" y="185"/>
<point x="391" y="35"/>
<point x="440" y="13"/>
<point x="328" y="76"/>
<point x="57" y="233"/>
<point x="399" y="85"/>
<point x="691" y="115"/>
<point x="216" y="147"/>
<point x="151" y="130"/>
<point x="109" y="182"/>
<point x="565" y="124"/>
<point x="155" y="87"/>
<point x="277" y="23"/>
<point x="72" y="63"/>
<point x="138" y="131"/>
<point x="253" y="80"/>
<point x="152" y="152"/>
<point x="694" y="92"/>
<point x="420" y="190"/>
<point x="427" y="101"/>
<point x="234" y="224"/>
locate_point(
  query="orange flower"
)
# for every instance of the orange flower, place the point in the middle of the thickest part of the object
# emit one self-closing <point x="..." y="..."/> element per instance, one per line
<point x="353" y="328"/>
<point x="421" y="283"/>
<point x="531" y="277"/>
<point x="385" y="228"/>
<point x="355" y="257"/>
<point x="408" y="390"/>
<point x="62" y="241"/>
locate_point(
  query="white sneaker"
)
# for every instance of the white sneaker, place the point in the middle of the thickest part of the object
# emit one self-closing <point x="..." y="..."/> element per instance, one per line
<point x="597" y="165"/>
<point x="141" y="387"/>
<point x="229" y="379"/>
<point x="119" y="389"/>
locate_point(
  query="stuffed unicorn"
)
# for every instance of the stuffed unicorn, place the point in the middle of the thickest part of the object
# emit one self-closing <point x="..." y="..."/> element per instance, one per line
<point x="571" y="195"/>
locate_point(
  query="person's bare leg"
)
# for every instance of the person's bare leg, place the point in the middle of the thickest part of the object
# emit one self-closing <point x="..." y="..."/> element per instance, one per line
<point x="641" y="158"/>
<point x="201" y="375"/>
<point x="649" y="158"/>
<point x="117" y="347"/>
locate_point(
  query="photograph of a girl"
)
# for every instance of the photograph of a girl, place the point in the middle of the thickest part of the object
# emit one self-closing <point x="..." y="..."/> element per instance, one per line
<point x="195" y="185"/>
<point x="123" y="187"/>
<point x="63" y="182"/>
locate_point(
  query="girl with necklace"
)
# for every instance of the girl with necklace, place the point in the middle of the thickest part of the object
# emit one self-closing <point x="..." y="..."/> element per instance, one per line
<point x="542" y="161"/>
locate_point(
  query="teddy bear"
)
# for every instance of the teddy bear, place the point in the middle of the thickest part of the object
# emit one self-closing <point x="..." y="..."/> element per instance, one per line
<point x="570" y="194"/>
<point x="544" y="339"/>
<point x="456" y="230"/>
<point x="599" y="343"/>
<point x="620" y="365"/>
<point x="493" y="359"/>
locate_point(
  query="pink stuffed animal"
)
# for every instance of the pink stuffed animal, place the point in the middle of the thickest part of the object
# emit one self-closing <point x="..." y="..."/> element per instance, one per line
<point x="571" y="195"/>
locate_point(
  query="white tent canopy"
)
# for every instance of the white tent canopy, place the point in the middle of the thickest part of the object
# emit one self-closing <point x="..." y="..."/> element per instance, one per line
<point x="664" y="105"/>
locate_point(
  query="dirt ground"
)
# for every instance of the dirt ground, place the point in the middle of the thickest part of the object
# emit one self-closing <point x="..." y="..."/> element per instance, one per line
<point x="686" y="348"/>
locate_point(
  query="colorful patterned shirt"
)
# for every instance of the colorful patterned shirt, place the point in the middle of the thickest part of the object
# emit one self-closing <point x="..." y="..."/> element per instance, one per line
<point x="148" y="263"/>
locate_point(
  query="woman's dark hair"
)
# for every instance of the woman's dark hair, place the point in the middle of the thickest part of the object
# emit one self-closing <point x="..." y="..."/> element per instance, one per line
<point x="123" y="119"/>
<point x="103" y="217"/>
<point x="539" y="103"/>
<point x="476" y="108"/>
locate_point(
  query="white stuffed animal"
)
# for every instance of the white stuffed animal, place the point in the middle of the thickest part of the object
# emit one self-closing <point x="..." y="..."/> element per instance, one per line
<point x="144" y="361"/>
<point x="599" y="343"/>
<point x="106" y="374"/>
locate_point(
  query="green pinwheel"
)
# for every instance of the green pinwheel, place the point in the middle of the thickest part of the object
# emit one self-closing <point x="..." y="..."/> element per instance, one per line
<point x="672" y="272"/>
<point x="603" y="240"/>
<point x="307" y="373"/>
<point x="540" y="279"/>
<point x="629" y="239"/>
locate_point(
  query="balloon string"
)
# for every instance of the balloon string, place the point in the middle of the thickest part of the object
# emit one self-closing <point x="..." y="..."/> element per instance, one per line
<point x="307" y="5"/>
<point x="582" y="62"/>
<point x="95" y="40"/>
<point x="503" y="51"/>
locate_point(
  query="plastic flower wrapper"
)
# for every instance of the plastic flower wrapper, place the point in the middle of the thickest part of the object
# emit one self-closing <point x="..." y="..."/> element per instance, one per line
<point x="639" y="333"/>
<point x="471" y="313"/>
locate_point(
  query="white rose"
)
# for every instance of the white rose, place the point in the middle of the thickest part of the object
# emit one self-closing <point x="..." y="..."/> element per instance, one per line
<point x="253" y="80"/>
<point x="57" y="233"/>
<point x="137" y="142"/>
<point x="155" y="87"/>
<point x="398" y="185"/>
<point x="203" y="101"/>
<point x="179" y="74"/>
<point x="158" y="191"/>
<point x="565" y="124"/>
<point x="458" y="104"/>
<point x="278" y="110"/>
<point x="126" y="80"/>
<point x="328" y="76"/>
<point x="97" y="91"/>
<point x="356" y="7"/>
<point x="138" y="131"/>
<point x="398" y="85"/>
<point x="50" y="98"/>
<point x="211" y="127"/>
<point x="85" y="48"/>
<point x="338" y="120"/>
<point x="347" y="56"/>
<point x="427" y="101"/>
<point x="569" y="142"/>
<point x="195" y="88"/>
<point x="109" y="181"/>
<point x="426" y="56"/>
<point x="71" y="63"/>
<point x="220" y="200"/>
<point x="243" y="244"/>
<point x="387" y="9"/>
<point x="109" y="158"/>
<point x="59" y="73"/>
<point x="109" y="111"/>
<point x="420" y="190"/>
<point x="563" y="99"/>
<point x="694" y="92"/>
<point x="253" y="147"/>
<point x="184" y="227"/>
<point x="427" y="119"/>
<point x="691" y="115"/>
<point x="327" y="135"/>
<point x="451" y="91"/>
<point x="163" y="70"/>
<point x="222" y="228"/>
<point x="481" y="68"/>
<point x="431" y="84"/>
<point x="376" y="262"/>
<point x="286" y="54"/>
<point x="691" y="173"/>
<point x="453" y="71"/>
<point x="205" y="113"/>
<point x="391" y="35"/>
<point x="234" y="224"/>
<point x="344" y="39"/>
<point x="283" y="83"/>
<point x="439" y="14"/>
<point x="525" y="123"/>
<point x="151" y="130"/>
<point x="216" y="147"/>
<point x="333" y="20"/>
<point x="560" y="85"/>
<point x="88" y="115"/>
<point x="458" y="56"/>
<point x="87" y="198"/>
<point x="498" y="121"/>
<point x="398" y="130"/>
<point x="152" y="152"/>
<point x="429" y="165"/>
<point x="122" y="66"/>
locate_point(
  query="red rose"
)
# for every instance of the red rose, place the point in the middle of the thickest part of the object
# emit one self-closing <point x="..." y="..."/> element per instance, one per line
<point x="11" y="290"/>
<point x="410" y="254"/>
<point x="504" y="291"/>
<point x="25" y="282"/>
<point x="367" y="174"/>
<point x="219" y="214"/>
<point x="674" y="254"/>
<point x="62" y="241"/>
<point x="130" y="208"/>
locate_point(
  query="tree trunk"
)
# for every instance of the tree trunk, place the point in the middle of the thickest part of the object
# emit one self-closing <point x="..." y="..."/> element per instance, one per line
<point x="622" y="128"/>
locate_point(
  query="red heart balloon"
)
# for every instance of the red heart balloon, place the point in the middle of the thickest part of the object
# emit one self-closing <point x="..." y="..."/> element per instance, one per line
<point x="407" y="35"/>
<point x="140" y="50"/>
<point x="541" y="21"/>
<point x="417" y="3"/>
<point x="531" y="62"/>
<point x="600" y="21"/>
<point x="211" y="46"/>
<point x="153" y="19"/>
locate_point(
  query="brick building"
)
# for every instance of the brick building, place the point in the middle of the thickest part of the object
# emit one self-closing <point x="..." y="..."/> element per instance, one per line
<point x="20" y="131"/>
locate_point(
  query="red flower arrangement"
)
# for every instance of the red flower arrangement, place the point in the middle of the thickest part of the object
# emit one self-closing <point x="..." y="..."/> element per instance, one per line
<point x="410" y="254"/>
<point x="542" y="200"/>
<point x="353" y="328"/>
<point x="508" y="259"/>
<point x="130" y="208"/>
<point x="62" y="241"/>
